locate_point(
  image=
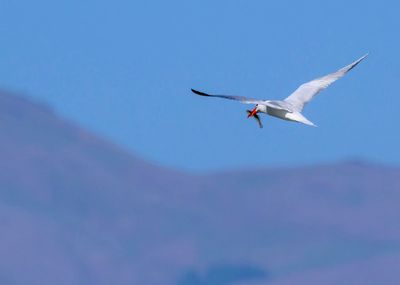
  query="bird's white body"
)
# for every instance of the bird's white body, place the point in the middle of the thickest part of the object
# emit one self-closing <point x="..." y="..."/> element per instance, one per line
<point x="284" y="115"/>
<point x="291" y="108"/>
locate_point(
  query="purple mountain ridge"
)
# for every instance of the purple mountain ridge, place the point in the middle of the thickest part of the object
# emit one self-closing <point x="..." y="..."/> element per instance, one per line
<point x="77" y="209"/>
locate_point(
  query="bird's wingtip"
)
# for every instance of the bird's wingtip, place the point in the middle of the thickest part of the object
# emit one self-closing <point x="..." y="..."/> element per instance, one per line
<point x="363" y="57"/>
<point x="199" y="93"/>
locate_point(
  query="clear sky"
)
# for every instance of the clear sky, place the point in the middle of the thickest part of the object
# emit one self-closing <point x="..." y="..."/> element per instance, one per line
<point x="125" y="68"/>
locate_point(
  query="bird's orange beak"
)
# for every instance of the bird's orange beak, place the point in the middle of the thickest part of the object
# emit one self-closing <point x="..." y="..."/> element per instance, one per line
<point x="252" y="113"/>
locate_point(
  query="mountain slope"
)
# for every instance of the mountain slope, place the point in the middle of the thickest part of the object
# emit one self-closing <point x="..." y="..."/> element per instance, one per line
<point x="76" y="209"/>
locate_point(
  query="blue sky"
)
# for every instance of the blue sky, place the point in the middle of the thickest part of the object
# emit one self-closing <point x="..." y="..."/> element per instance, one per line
<point x="124" y="69"/>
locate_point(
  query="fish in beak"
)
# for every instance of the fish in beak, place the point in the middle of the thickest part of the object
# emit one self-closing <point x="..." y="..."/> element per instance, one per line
<point x="252" y="112"/>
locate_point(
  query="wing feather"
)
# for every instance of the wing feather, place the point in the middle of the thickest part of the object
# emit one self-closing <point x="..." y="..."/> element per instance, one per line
<point x="306" y="92"/>
<point x="280" y="105"/>
<point x="241" y="99"/>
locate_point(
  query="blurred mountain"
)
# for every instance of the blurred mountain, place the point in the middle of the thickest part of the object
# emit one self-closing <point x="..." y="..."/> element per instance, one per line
<point x="76" y="209"/>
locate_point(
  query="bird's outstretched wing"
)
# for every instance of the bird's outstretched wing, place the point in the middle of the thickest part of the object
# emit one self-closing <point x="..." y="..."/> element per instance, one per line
<point x="299" y="98"/>
<point x="245" y="100"/>
<point x="241" y="99"/>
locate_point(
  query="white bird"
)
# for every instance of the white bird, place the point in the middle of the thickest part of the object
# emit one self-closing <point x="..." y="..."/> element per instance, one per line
<point x="290" y="108"/>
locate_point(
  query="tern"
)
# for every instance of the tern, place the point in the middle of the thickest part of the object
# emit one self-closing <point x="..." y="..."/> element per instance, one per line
<point x="290" y="108"/>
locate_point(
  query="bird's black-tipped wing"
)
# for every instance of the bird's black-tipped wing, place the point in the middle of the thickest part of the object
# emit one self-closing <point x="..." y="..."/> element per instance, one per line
<point x="280" y="105"/>
<point x="241" y="99"/>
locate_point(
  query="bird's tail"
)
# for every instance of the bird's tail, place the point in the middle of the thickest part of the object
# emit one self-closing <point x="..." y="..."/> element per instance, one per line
<point x="305" y="121"/>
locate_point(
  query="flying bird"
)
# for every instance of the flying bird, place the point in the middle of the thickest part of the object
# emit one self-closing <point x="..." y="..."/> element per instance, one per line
<point x="290" y="108"/>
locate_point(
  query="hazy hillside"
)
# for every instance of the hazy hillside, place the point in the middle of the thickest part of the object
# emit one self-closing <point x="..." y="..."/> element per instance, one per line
<point x="76" y="209"/>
